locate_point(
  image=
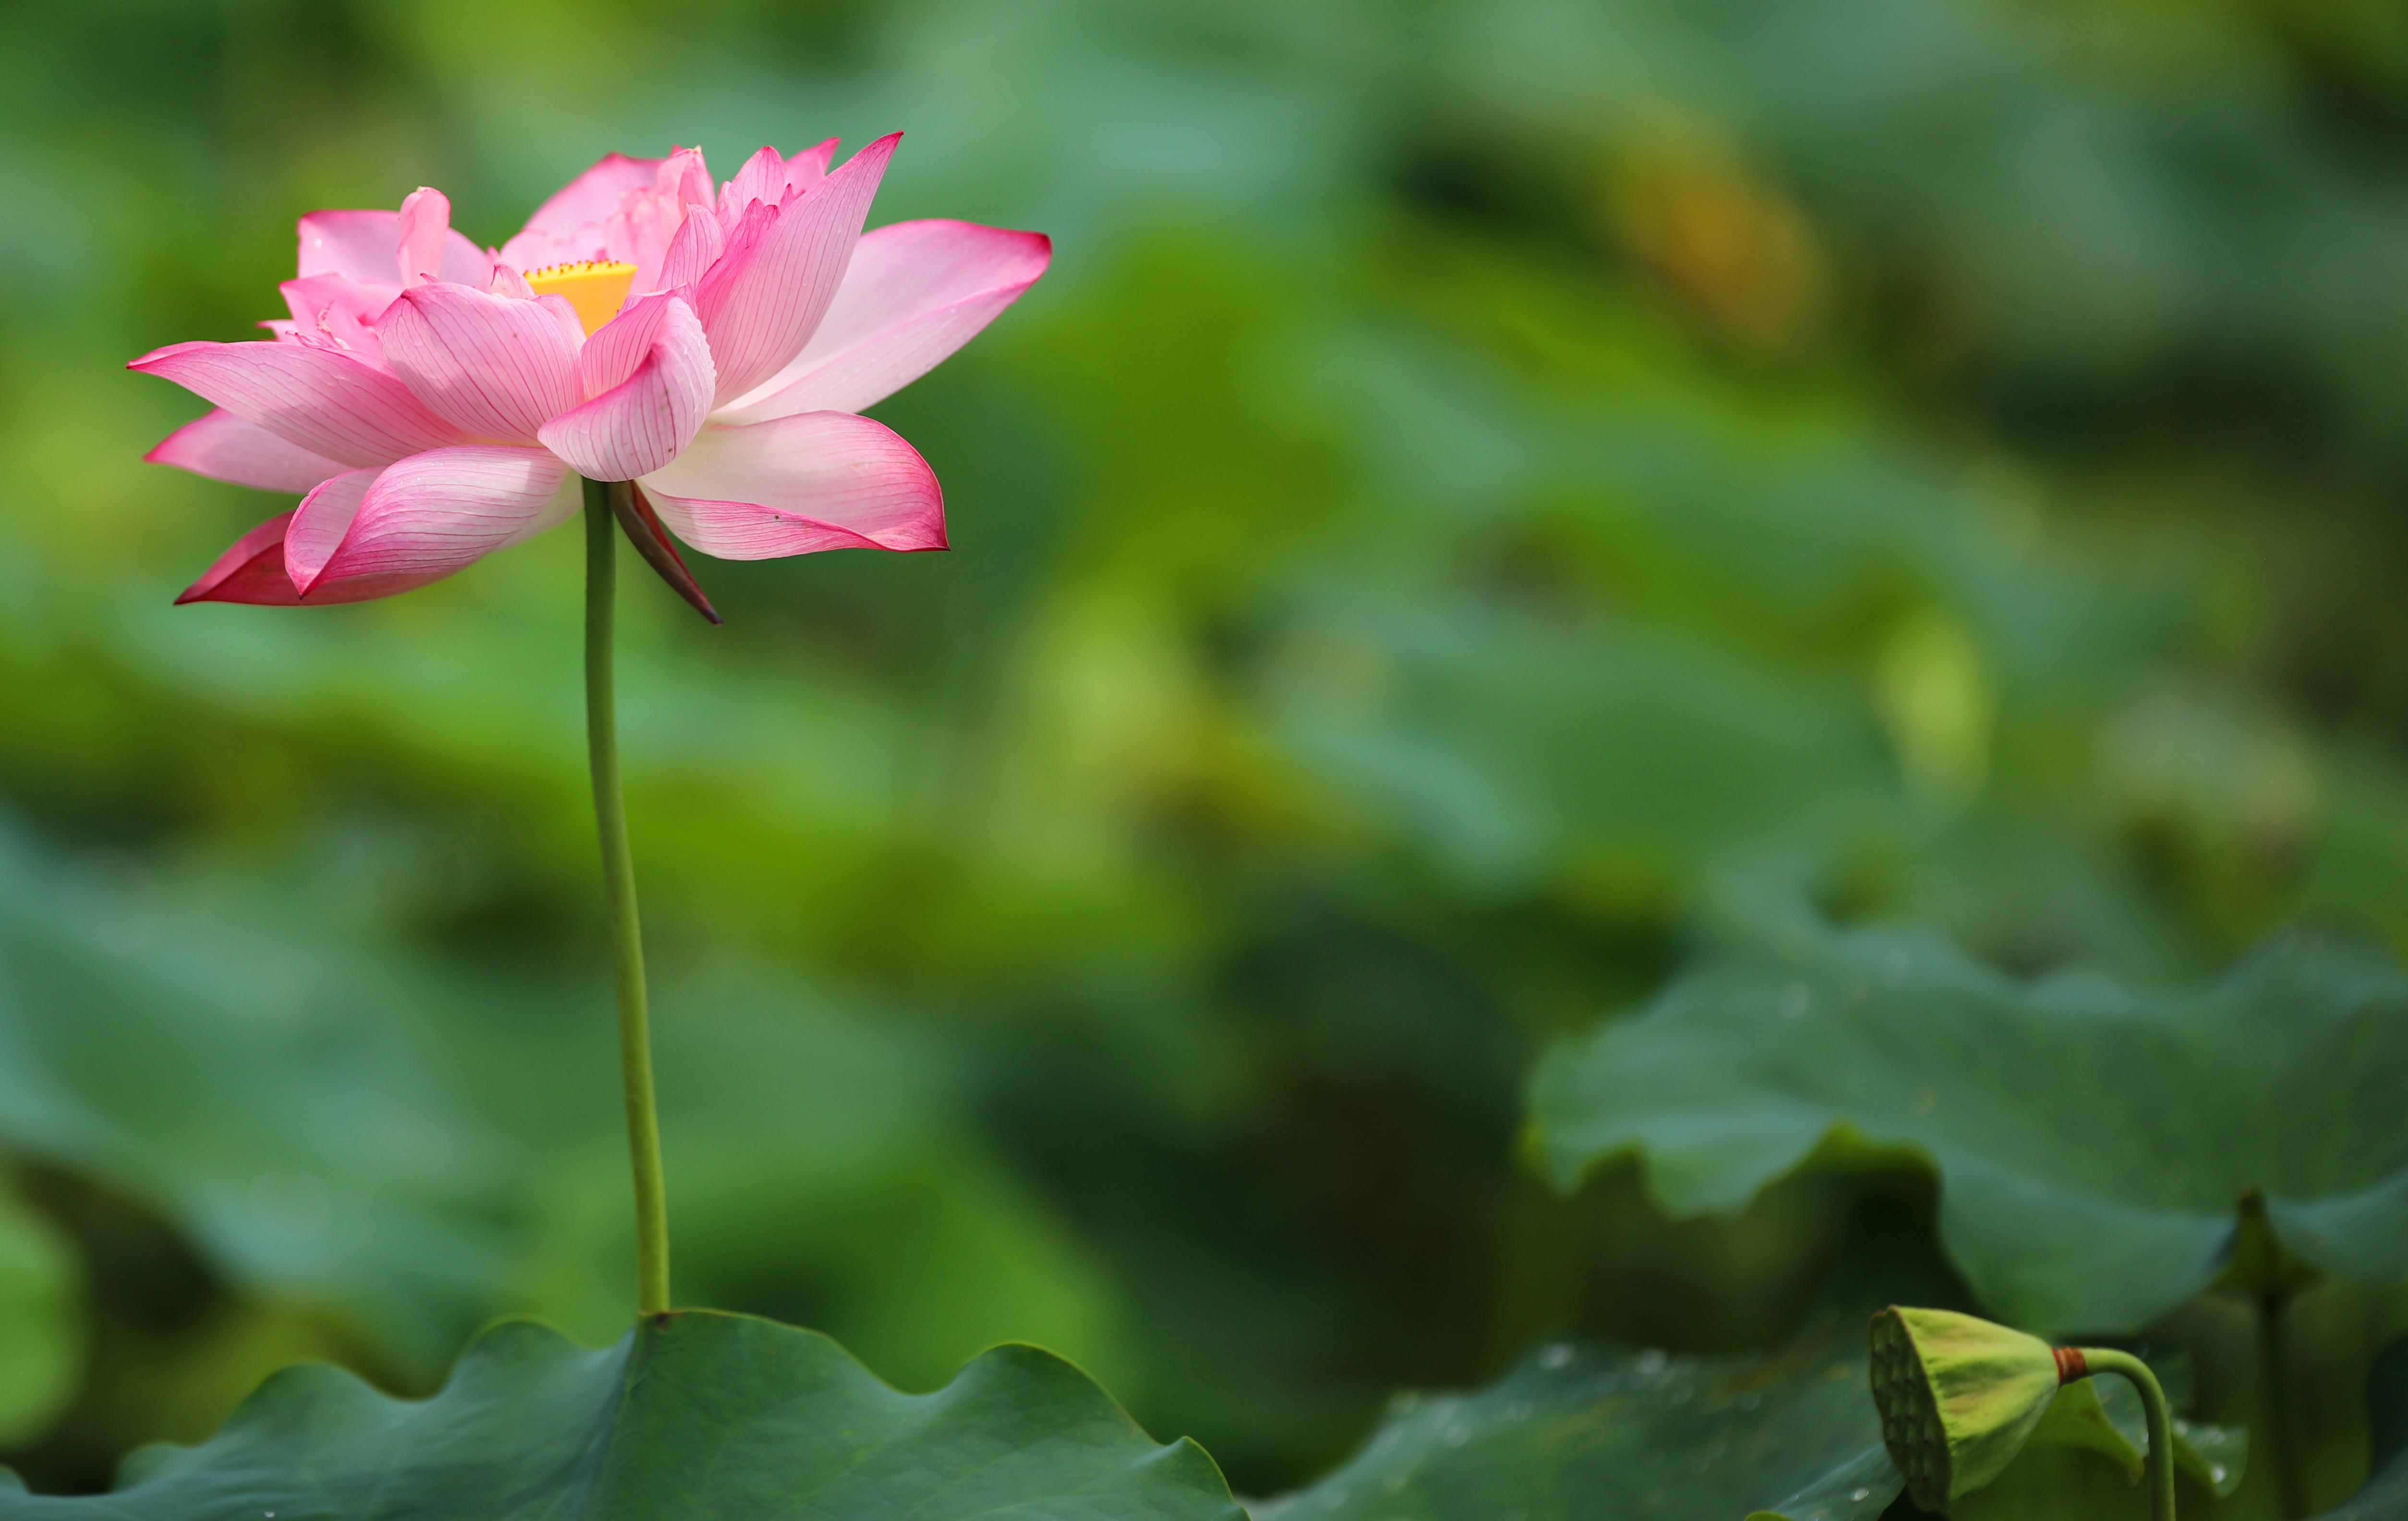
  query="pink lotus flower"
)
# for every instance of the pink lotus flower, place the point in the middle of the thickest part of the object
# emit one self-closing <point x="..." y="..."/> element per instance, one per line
<point x="714" y="345"/>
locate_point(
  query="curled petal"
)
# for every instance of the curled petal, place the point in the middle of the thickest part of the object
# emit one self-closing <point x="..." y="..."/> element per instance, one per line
<point x="424" y="223"/>
<point x="253" y="571"/>
<point x="325" y="402"/>
<point x="426" y="516"/>
<point x="223" y="447"/>
<point x="623" y="343"/>
<point x="366" y="245"/>
<point x="761" y="302"/>
<point x="649" y="373"/>
<point x="492" y="366"/>
<point x="914" y="293"/>
<point x="792" y="485"/>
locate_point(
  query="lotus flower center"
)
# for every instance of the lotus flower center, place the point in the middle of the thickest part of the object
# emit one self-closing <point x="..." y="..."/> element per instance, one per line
<point x="596" y="290"/>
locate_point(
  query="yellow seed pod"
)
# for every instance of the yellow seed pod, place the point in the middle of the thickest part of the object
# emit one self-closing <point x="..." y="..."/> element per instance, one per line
<point x="1957" y="1397"/>
<point x="596" y="288"/>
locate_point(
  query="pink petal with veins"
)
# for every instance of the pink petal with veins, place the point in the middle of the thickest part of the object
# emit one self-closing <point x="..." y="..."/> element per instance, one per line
<point x="763" y="178"/>
<point x="914" y="293"/>
<point x="587" y="200"/>
<point x="425" y="516"/>
<point x="223" y="447"/>
<point x="770" y="178"/>
<point x="697" y="246"/>
<point x="649" y="372"/>
<point x="325" y="402"/>
<point x="623" y="209"/>
<point x="807" y="167"/>
<point x="336" y="310"/>
<point x="685" y="178"/>
<point x="492" y="366"/>
<point x="648" y="222"/>
<point x="366" y="246"/>
<point x="792" y="485"/>
<point x="311" y="296"/>
<point x="319" y="524"/>
<point x="253" y="571"/>
<point x="761" y="302"/>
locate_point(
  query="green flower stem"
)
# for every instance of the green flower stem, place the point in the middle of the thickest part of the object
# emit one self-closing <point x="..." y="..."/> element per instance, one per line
<point x="619" y="879"/>
<point x="2161" y="1432"/>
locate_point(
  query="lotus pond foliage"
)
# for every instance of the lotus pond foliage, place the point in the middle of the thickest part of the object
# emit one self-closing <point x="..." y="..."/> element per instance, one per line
<point x="1613" y="687"/>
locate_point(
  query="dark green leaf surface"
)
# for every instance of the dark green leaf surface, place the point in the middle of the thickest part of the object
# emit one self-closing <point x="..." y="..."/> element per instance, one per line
<point x="1576" y="1432"/>
<point x="2093" y="1141"/>
<point x="693" y="1415"/>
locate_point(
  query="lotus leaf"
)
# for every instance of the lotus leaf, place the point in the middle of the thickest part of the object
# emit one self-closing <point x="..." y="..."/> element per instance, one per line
<point x="691" y="1414"/>
<point x="1577" y="1431"/>
<point x="2097" y="1144"/>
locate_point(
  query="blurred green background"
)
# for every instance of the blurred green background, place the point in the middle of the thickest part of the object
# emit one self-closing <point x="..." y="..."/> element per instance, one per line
<point x="1479" y="475"/>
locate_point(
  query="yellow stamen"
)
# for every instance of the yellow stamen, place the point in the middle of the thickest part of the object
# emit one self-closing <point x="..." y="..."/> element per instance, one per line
<point x="596" y="290"/>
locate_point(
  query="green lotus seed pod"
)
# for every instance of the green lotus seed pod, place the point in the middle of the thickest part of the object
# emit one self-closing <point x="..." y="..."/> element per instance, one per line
<point x="1958" y="1395"/>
